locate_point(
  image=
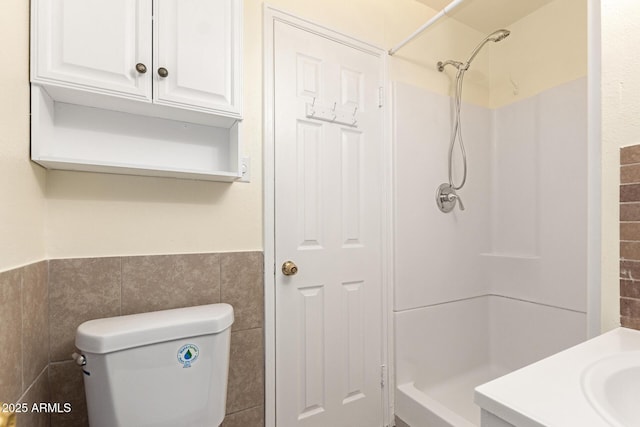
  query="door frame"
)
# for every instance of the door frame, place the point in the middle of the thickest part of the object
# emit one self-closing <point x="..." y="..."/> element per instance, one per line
<point x="270" y="16"/>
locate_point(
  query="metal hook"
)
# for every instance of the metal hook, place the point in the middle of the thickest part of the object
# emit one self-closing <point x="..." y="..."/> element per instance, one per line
<point x="312" y="111"/>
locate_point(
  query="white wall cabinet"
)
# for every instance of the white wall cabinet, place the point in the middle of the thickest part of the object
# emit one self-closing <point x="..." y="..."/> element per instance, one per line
<point x="197" y="45"/>
<point x="93" y="45"/>
<point x="170" y="61"/>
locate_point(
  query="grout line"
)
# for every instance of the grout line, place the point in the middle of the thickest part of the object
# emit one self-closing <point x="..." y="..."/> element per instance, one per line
<point x="121" y="282"/>
<point x="243" y="410"/>
<point x="24" y="394"/>
<point x="48" y="310"/>
<point x="61" y="362"/>
<point x="219" y="278"/>
<point x="22" y="316"/>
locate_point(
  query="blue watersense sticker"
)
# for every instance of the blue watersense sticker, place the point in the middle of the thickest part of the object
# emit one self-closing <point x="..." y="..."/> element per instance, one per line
<point x="188" y="354"/>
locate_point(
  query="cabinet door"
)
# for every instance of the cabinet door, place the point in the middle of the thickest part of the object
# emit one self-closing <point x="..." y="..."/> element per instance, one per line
<point x="198" y="43"/>
<point x="93" y="45"/>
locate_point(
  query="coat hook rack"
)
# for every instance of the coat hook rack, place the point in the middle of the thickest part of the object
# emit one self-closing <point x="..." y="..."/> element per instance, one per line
<point x="332" y="113"/>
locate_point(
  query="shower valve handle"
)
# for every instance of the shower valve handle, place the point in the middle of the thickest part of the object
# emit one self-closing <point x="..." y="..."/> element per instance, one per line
<point x="446" y="198"/>
<point x="452" y="197"/>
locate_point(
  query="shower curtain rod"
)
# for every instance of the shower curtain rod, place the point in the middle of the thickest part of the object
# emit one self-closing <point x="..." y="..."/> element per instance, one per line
<point x="448" y="8"/>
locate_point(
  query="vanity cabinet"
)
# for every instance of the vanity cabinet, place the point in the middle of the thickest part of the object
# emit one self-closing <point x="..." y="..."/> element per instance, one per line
<point x="165" y="64"/>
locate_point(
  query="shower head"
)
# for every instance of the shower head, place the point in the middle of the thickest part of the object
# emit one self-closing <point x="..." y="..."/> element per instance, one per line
<point x="499" y="35"/>
<point x="496" y="36"/>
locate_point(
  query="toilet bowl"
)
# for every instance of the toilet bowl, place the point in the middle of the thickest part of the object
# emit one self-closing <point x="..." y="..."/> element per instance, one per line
<point x="160" y="369"/>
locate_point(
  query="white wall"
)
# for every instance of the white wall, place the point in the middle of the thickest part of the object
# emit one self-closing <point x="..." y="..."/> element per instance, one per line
<point x="495" y="287"/>
<point x="96" y="215"/>
<point x="437" y="255"/>
<point x="523" y="232"/>
<point x="545" y="49"/>
<point x="490" y="331"/>
<point x="22" y="203"/>
<point x="102" y="215"/>
<point x="620" y="127"/>
<point x="539" y="211"/>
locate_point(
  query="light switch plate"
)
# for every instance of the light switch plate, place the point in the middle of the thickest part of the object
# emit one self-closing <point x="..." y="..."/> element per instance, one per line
<point x="246" y="170"/>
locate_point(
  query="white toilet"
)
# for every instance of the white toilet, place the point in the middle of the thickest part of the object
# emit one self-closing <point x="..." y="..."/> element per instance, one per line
<point x="160" y="369"/>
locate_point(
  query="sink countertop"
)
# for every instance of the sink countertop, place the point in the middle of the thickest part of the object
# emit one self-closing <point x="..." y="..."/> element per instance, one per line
<point x="549" y="393"/>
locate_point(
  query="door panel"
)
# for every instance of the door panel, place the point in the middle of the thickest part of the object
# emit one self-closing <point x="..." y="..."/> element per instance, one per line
<point x="94" y="44"/>
<point x="328" y="221"/>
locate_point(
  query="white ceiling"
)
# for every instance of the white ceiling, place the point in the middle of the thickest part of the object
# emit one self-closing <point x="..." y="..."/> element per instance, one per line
<point x="488" y="15"/>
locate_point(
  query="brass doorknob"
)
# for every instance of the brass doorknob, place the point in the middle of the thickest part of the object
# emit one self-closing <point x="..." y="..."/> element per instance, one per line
<point x="289" y="268"/>
<point x="163" y="72"/>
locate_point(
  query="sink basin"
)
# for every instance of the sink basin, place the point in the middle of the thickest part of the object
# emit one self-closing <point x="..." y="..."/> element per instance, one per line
<point x="612" y="386"/>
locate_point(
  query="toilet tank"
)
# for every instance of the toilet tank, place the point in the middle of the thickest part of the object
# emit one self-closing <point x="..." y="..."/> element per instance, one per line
<point x="160" y="369"/>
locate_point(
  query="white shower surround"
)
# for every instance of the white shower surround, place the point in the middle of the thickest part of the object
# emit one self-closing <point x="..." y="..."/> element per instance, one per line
<point x="481" y="292"/>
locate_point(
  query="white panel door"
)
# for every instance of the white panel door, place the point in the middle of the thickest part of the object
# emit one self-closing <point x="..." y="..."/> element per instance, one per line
<point x="94" y="45"/>
<point x="197" y="42"/>
<point x="328" y="179"/>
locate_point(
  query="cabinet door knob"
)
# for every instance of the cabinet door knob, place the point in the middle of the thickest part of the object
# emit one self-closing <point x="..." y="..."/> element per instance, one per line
<point x="141" y="68"/>
<point x="163" y="72"/>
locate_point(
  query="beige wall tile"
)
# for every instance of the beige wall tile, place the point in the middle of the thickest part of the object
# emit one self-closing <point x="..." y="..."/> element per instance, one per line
<point x="80" y="290"/>
<point x="630" y="193"/>
<point x="630" y="237"/>
<point x="35" y="321"/>
<point x="630" y="307"/>
<point x="630" y="250"/>
<point x="630" y="155"/>
<point x="39" y="392"/>
<point x="630" y="212"/>
<point x="151" y="283"/>
<point x="154" y="283"/>
<point x="246" y="371"/>
<point x="630" y="322"/>
<point x="630" y="174"/>
<point x="11" y="336"/>
<point x="241" y="283"/>
<point x="630" y="269"/>
<point x="630" y="288"/>
<point x="630" y="231"/>
<point x="67" y="386"/>
<point x="253" y="417"/>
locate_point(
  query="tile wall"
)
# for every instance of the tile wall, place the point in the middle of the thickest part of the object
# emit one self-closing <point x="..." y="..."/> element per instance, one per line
<point x="630" y="236"/>
<point x="24" y="340"/>
<point x="41" y="334"/>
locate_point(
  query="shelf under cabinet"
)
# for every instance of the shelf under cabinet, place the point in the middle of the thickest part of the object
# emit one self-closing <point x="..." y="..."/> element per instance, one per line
<point x="78" y="137"/>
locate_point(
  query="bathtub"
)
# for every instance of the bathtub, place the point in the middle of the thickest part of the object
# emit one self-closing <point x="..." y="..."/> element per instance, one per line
<point x="446" y="350"/>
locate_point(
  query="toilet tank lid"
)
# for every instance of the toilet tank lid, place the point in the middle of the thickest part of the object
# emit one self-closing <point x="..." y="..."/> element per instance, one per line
<point x="102" y="336"/>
